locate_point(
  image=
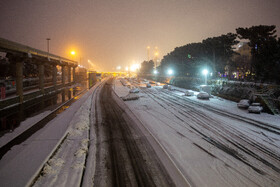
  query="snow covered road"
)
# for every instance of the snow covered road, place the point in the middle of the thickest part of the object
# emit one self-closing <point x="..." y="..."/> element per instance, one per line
<point x="211" y="147"/>
<point x="98" y="143"/>
<point x="162" y="139"/>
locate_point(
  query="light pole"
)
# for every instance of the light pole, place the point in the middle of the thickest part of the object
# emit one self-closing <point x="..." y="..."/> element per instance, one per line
<point x="48" y="44"/>
<point x="170" y="72"/>
<point x="148" y="53"/>
<point x="156" y="58"/>
<point x="73" y="53"/>
<point x="205" y="72"/>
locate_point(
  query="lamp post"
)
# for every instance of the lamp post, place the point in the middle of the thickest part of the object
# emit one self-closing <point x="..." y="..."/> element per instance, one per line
<point x="48" y="44"/>
<point x="156" y="59"/>
<point x="73" y="53"/>
<point x="170" y="72"/>
<point x="205" y="72"/>
<point x="148" y="53"/>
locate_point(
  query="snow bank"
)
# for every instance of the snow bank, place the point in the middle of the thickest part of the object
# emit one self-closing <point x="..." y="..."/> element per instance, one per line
<point x="72" y="164"/>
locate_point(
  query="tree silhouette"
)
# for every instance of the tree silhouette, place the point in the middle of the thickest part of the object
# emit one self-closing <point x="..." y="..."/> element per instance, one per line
<point x="263" y="43"/>
<point x="147" y="67"/>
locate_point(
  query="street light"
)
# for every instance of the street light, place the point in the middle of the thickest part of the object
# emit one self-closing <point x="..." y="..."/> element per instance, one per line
<point x="134" y="67"/>
<point x="155" y="72"/>
<point x="205" y="72"/>
<point x="148" y="53"/>
<point x="48" y="44"/>
<point x="156" y="58"/>
<point x="73" y="53"/>
<point x="170" y="72"/>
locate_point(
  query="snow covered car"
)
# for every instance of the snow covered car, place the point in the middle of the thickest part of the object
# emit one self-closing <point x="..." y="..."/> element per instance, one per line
<point x="165" y="86"/>
<point x="130" y="97"/>
<point x="170" y="88"/>
<point x="255" y="108"/>
<point x="203" y="95"/>
<point x="244" y="103"/>
<point x="145" y="81"/>
<point x="148" y="85"/>
<point x="189" y="93"/>
<point x="134" y="90"/>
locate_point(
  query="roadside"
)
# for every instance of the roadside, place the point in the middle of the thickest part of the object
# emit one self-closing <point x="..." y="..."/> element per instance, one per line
<point x="24" y="162"/>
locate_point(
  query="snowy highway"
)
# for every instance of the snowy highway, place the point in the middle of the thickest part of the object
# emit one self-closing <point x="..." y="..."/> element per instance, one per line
<point x="211" y="146"/>
<point x="161" y="139"/>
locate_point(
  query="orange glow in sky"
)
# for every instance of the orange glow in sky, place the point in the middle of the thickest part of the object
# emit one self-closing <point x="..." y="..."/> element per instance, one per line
<point x="111" y="33"/>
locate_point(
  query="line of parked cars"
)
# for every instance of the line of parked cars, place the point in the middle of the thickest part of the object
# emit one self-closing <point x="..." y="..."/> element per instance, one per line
<point x="243" y="104"/>
<point x="252" y="108"/>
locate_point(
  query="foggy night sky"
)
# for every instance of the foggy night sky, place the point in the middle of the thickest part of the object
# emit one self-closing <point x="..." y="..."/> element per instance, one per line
<point x="117" y="32"/>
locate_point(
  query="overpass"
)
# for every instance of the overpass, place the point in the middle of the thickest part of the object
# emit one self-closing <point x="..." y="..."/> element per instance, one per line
<point x="19" y="54"/>
<point x="113" y="74"/>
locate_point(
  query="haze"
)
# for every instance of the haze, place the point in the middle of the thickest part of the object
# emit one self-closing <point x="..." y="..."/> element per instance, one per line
<point x="113" y="33"/>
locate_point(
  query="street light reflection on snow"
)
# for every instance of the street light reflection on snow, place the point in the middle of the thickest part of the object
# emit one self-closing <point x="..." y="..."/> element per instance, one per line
<point x="170" y="72"/>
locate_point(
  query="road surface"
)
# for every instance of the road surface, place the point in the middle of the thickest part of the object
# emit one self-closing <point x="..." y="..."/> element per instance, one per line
<point x="161" y="139"/>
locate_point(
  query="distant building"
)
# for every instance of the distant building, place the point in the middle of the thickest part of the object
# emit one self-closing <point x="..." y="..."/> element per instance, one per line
<point x="242" y="61"/>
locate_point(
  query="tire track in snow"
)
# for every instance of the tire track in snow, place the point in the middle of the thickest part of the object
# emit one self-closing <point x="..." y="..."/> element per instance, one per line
<point x="171" y="102"/>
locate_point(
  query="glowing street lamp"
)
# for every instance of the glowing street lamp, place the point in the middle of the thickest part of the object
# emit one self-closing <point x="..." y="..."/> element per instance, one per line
<point x="134" y="67"/>
<point x="170" y="72"/>
<point x="155" y="72"/>
<point x="205" y="72"/>
<point x="73" y="52"/>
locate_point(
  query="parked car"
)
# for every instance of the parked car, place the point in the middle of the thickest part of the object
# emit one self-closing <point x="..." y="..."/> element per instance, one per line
<point x="189" y="93"/>
<point x="255" y="108"/>
<point x="148" y="85"/>
<point x="244" y="103"/>
<point x="134" y="90"/>
<point x="170" y="88"/>
<point x="145" y="81"/>
<point x="165" y="86"/>
<point x="203" y="95"/>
